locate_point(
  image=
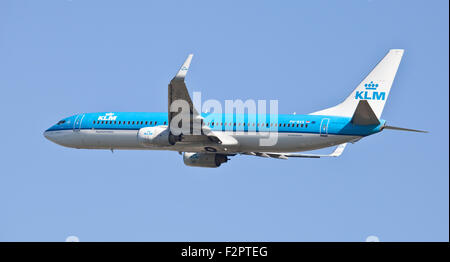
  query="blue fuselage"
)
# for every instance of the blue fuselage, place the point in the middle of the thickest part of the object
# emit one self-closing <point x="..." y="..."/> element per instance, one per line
<point x="295" y="133"/>
<point x="314" y="124"/>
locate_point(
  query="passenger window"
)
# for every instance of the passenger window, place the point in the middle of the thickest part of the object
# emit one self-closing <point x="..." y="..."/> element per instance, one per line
<point x="146" y="122"/>
<point x="297" y="125"/>
<point x="156" y="122"/>
<point x="132" y="123"/>
<point x="165" y="122"/>
<point x="284" y="125"/>
<point x="267" y="124"/>
<point x="102" y="122"/>
<point x="306" y="125"/>
<point x="142" y="122"/>
<point x="94" y="122"/>
<point x="151" y="122"/>
<point x="301" y="125"/>
<point x="289" y="125"/>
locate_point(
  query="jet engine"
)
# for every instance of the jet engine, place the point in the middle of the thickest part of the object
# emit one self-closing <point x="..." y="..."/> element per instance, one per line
<point x="204" y="159"/>
<point x="156" y="136"/>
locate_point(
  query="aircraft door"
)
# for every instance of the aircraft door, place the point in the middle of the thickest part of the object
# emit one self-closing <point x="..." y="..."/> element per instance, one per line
<point x="324" y="127"/>
<point x="77" y="123"/>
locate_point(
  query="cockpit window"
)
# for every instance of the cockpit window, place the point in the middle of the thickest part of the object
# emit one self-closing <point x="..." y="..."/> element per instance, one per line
<point x="61" y="122"/>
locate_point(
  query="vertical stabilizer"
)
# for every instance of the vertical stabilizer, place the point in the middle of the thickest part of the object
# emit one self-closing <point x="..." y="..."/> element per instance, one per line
<point x="374" y="88"/>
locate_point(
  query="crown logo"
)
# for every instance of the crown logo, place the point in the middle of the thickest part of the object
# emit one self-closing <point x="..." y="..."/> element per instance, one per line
<point x="371" y="86"/>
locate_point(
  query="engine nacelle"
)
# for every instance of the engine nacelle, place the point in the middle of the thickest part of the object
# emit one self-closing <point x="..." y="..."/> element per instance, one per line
<point x="155" y="136"/>
<point x="204" y="159"/>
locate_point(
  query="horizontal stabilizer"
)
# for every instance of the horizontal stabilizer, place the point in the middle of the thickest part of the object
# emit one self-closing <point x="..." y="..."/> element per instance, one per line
<point x="364" y="115"/>
<point x="337" y="152"/>
<point x="404" y="129"/>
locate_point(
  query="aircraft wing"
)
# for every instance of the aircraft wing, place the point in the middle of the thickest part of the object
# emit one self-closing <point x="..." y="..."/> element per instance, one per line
<point x="178" y="91"/>
<point x="197" y="132"/>
<point x="337" y="152"/>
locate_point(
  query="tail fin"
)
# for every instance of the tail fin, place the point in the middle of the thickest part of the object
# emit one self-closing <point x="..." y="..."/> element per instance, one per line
<point x="374" y="88"/>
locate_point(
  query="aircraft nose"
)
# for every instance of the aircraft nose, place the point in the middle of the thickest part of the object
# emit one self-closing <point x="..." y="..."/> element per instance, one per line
<point x="47" y="135"/>
<point x="51" y="135"/>
<point x="60" y="137"/>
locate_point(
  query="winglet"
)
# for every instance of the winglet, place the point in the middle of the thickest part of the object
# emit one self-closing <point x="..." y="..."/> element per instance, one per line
<point x="184" y="68"/>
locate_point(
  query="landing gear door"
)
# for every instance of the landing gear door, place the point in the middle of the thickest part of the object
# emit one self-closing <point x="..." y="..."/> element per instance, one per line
<point x="324" y="127"/>
<point x="77" y="123"/>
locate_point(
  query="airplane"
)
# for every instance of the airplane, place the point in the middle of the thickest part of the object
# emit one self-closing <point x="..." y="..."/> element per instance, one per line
<point x="208" y="139"/>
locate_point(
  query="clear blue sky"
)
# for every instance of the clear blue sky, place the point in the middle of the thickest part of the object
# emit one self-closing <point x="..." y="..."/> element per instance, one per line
<point x="59" y="58"/>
